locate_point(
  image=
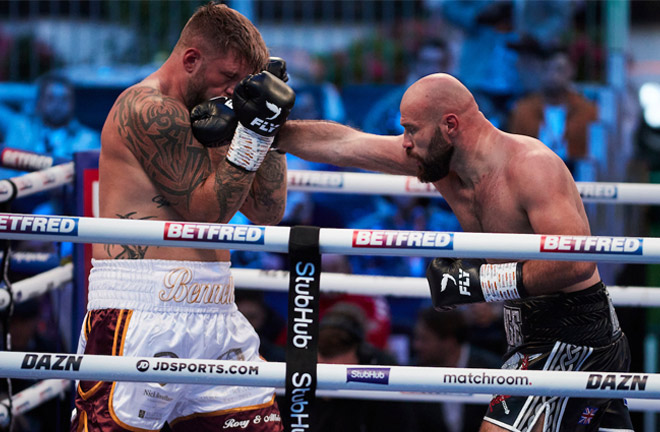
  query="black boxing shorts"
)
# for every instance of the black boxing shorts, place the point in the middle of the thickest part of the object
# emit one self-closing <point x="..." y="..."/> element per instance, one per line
<point x="563" y="332"/>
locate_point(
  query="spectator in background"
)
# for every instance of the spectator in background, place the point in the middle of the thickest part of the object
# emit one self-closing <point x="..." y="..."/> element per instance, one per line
<point x="432" y="56"/>
<point x="484" y="321"/>
<point x="342" y="341"/>
<point x="550" y="21"/>
<point x="441" y="340"/>
<point x="52" y="129"/>
<point x="557" y="113"/>
<point x="375" y="309"/>
<point x="266" y="322"/>
<point x="486" y="63"/>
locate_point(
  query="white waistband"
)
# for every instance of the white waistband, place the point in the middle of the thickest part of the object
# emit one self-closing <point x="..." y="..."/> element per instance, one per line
<point x="161" y="286"/>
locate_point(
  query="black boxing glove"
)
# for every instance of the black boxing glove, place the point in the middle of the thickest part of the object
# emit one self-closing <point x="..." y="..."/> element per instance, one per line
<point x="459" y="281"/>
<point x="213" y="122"/>
<point x="277" y="66"/>
<point x="262" y="103"/>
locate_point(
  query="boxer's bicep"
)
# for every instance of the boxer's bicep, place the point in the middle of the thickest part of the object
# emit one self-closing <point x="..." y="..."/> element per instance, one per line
<point x="547" y="195"/>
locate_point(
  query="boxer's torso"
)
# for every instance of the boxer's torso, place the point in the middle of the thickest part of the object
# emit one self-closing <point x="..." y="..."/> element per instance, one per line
<point x="493" y="204"/>
<point x="127" y="191"/>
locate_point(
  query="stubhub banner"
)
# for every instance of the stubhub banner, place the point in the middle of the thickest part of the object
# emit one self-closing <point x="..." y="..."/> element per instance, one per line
<point x="598" y="245"/>
<point x="214" y="233"/>
<point x="29" y="224"/>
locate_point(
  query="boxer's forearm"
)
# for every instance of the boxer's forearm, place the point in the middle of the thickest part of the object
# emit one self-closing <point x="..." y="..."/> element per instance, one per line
<point x="548" y="277"/>
<point x="266" y="201"/>
<point x="337" y="144"/>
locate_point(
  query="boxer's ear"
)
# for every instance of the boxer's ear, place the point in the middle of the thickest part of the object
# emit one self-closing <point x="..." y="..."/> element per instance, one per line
<point x="451" y="123"/>
<point x="192" y="59"/>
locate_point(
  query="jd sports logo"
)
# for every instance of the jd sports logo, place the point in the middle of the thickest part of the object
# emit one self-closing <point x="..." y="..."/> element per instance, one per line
<point x="142" y="365"/>
<point x="463" y="282"/>
<point x="274" y="108"/>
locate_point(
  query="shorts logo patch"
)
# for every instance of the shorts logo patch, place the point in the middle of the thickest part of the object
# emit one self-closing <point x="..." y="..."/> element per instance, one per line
<point x="587" y="415"/>
<point x="513" y="326"/>
<point x="501" y="399"/>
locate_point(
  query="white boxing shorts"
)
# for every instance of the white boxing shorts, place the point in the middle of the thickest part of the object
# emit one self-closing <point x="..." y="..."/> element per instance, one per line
<point x="170" y="309"/>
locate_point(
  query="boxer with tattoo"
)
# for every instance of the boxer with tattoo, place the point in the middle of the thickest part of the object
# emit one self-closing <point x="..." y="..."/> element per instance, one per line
<point x="149" y="301"/>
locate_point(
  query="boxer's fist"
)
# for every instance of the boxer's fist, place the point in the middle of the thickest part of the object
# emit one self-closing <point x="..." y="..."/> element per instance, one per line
<point x="454" y="281"/>
<point x="213" y="122"/>
<point x="262" y="103"/>
<point x="277" y="66"/>
<point x="458" y="281"/>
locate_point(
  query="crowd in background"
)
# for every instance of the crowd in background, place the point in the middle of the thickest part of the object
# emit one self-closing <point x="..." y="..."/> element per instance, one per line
<point x="523" y="71"/>
<point x="525" y="79"/>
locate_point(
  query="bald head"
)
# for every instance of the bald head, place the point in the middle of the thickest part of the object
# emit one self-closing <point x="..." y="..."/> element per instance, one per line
<point x="436" y="95"/>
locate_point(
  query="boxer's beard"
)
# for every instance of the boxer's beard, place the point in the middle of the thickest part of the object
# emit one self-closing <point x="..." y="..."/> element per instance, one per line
<point x="195" y="91"/>
<point x="435" y="166"/>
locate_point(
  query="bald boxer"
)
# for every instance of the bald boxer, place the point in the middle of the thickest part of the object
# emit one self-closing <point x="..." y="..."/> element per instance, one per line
<point x="558" y="315"/>
<point x="148" y="301"/>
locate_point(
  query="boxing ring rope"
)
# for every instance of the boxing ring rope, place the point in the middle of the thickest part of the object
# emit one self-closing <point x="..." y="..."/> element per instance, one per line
<point x="32" y="262"/>
<point x="482" y="399"/>
<point x="37" y="285"/>
<point x="395" y="286"/>
<point x="278" y="280"/>
<point x="385" y="184"/>
<point x="32" y="397"/>
<point x="349" y="182"/>
<point x="25" y="160"/>
<point x="38" y="181"/>
<point x="331" y="376"/>
<point x="15" y="226"/>
<point x="356" y="242"/>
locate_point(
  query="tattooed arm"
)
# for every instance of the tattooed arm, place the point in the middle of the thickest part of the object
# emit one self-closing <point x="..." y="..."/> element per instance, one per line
<point x="156" y="129"/>
<point x="267" y="200"/>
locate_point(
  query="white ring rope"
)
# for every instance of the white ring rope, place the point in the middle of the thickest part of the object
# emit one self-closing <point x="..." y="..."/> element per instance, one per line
<point x="336" y="241"/>
<point x="32" y="397"/>
<point x="25" y="160"/>
<point x="331" y="376"/>
<point x="395" y="286"/>
<point x="278" y="280"/>
<point x="385" y="184"/>
<point x="38" y="181"/>
<point x="476" y="399"/>
<point x="356" y="183"/>
<point x="37" y="285"/>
